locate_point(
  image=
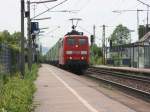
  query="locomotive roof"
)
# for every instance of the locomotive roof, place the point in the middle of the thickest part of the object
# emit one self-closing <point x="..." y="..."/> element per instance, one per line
<point x="69" y="36"/>
<point x="74" y="32"/>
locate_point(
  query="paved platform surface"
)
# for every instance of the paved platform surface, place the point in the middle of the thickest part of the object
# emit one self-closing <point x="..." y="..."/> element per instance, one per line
<point x="61" y="91"/>
<point x="130" y="69"/>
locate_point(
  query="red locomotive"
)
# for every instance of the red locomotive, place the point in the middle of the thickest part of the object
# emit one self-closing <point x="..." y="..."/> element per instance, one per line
<point x="74" y="51"/>
<point x="71" y="52"/>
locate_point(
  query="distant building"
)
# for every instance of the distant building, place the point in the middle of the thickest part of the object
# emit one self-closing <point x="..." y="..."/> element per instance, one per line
<point x="144" y="51"/>
<point x="133" y="55"/>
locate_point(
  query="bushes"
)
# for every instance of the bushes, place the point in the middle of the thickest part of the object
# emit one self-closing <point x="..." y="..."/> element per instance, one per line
<point x="96" y="55"/>
<point x="16" y="94"/>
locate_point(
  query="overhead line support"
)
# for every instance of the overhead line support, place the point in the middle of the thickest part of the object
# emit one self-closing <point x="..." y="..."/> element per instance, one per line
<point x="147" y="13"/>
<point x="22" y="59"/>
<point x="29" y="36"/>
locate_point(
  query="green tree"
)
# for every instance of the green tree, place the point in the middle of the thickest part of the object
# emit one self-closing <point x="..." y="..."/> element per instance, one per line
<point x="96" y="50"/>
<point x="141" y="31"/>
<point x="2" y="39"/>
<point x="121" y="35"/>
<point x="5" y="36"/>
<point x="13" y="40"/>
<point x="96" y="54"/>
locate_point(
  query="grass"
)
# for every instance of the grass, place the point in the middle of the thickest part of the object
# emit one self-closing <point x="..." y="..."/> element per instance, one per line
<point x="16" y="94"/>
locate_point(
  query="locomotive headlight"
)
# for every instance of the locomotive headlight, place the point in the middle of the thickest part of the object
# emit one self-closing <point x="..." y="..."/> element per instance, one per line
<point x="83" y="52"/>
<point x="69" y="52"/>
<point x="70" y="58"/>
<point x="82" y="58"/>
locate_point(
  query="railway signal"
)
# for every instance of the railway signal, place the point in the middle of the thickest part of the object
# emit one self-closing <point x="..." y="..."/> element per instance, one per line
<point x="92" y="39"/>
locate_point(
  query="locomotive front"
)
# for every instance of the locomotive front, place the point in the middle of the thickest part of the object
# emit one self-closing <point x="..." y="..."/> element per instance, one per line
<point x="76" y="52"/>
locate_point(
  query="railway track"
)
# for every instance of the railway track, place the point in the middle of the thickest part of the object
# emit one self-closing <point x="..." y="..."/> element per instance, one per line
<point x="138" y="85"/>
<point x="120" y="74"/>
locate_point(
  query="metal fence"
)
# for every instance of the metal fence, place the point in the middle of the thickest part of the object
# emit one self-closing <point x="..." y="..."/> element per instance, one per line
<point x="9" y="59"/>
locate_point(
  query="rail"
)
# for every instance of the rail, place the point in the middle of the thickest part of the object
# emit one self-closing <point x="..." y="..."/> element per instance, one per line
<point x="139" y="85"/>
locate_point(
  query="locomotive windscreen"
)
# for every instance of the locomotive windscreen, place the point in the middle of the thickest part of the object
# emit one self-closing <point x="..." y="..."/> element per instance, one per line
<point x="82" y="41"/>
<point x="71" y="41"/>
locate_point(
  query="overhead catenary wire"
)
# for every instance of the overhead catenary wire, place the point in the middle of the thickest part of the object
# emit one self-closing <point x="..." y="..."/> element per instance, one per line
<point x="148" y="6"/>
<point x="85" y="5"/>
<point x="69" y="11"/>
<point x="143" y="3"/>
<point x="51" y="31"/>
<point x="80" y="4"/>
<point x="85" y="30"/>
<point x="49" y="9"/>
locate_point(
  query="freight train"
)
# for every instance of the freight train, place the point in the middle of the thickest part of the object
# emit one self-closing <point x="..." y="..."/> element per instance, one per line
<point x="70" y="52"/>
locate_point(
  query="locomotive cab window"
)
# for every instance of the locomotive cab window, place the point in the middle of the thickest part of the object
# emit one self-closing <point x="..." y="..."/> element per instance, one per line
<point x="71" y="41"/>
<point x="82" y="41"/>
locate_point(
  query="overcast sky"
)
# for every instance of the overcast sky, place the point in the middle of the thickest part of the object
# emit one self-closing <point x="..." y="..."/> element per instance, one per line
<point x="92" y="12"/>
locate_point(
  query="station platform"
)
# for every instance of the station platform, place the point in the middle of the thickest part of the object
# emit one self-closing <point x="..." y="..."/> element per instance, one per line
<point x="127" y="69"/>
<point x="61" y="91"/>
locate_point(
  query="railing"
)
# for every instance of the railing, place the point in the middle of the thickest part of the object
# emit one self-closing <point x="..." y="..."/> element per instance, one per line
<point x="9" y="59"/>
